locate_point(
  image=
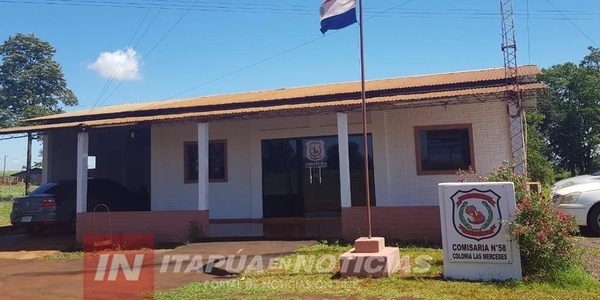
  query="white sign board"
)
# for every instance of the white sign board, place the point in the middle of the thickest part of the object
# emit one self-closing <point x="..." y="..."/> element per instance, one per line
<point x="474" y="233"/>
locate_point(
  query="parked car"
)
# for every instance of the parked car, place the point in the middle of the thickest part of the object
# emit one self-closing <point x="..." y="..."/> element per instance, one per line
<point x="54" y="204"/>
<point x="575" y="180"/>
<point x="581" y="200"/>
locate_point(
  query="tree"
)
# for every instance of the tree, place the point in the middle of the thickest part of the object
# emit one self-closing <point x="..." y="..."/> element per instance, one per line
<point x="32" y="84"/>
<point x="572" y="112"/>
<point x="539" y="167"/>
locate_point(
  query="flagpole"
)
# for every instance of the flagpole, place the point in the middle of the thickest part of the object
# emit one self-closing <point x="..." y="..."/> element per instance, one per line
<point x="364" y="115"/>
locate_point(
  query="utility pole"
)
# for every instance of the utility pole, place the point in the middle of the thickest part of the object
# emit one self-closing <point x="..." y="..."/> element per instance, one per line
<point x="28" y="170"/>
<point x="4" y="170"/>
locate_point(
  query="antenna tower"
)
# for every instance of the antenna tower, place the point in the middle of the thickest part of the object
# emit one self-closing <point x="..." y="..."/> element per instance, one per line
<point x="513" y="92"/>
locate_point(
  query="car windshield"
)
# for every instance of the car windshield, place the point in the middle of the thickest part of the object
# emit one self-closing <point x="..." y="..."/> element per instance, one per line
<point x="43" y="189"/>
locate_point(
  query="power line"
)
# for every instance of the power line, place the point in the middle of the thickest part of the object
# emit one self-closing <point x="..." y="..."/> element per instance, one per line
<point x="228" y="7"/>
<point x="246" y="67"/>
<point x="120" y="63"/>
<point x="150" y="52"/>
<point x="273" y="56"/>
<point x="574" y="25"/>
<point x="13" y="137"/>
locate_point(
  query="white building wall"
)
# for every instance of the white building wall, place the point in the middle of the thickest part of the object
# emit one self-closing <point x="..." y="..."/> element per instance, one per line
<point x="491" y="142"/>
<point x="169" y="192"/>
<point x="396" y="179"/>
<point x="241" y="196"/>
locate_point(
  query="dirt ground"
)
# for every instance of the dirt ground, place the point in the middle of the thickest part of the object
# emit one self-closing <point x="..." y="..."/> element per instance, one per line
<point x="22" y="276"/>
<point x="24" y="246"/>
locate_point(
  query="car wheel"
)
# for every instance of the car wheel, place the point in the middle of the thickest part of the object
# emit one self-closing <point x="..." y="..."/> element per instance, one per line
<point x="594" y="219"/>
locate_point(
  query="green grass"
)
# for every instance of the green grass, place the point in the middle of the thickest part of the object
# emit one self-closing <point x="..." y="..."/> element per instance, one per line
<point x="7" y="194"/>
<point x="5" y="208"/>
<point x="64" y="256"/>
<point x="592" y="251"/>
<point x="287" y="284"/>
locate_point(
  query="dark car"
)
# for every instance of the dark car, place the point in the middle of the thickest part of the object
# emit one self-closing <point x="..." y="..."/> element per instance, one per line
<point x="54" y="204"/>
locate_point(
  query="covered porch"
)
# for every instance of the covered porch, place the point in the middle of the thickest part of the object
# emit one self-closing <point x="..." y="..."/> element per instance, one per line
<point x="223" y="179"/>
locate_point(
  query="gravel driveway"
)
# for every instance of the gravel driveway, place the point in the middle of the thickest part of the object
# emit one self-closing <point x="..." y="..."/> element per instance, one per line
<point x="591" y="246"/>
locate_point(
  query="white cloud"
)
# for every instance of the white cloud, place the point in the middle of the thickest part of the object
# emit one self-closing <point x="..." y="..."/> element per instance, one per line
<point x="120" y="64"/>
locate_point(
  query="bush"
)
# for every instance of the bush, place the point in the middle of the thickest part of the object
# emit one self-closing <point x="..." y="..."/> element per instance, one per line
<point x="543" y="234"/>
<point x="542" y="231"/>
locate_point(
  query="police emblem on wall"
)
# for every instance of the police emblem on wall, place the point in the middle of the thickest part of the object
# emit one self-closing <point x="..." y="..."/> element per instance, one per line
<point x="315" y="150"/>
<point x="476" y="214"/>
<point x="315" y="154"/>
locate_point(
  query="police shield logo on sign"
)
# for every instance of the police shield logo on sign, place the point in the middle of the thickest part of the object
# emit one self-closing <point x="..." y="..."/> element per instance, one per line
<point x="315" y="150"/>
<point x="476" y="214"/>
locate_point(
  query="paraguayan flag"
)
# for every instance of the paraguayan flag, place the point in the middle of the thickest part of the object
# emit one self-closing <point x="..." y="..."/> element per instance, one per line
<point x="337" y="14"/>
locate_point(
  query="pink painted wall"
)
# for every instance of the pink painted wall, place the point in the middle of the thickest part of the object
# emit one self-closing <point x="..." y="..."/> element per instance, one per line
<point x="166" y="226"/>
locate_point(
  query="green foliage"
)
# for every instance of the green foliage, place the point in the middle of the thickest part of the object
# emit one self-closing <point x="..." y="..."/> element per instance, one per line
<point x="561" y="175"/>
<point x="504" y="173"/>
<point x="544" y="237"/>
<point x="544" y="233"/>
<point x="32" y="84"/>
<point x="539" y="167"/>
<point x="572" y="112"/>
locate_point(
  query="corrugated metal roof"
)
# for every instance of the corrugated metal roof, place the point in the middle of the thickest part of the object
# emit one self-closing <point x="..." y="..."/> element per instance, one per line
<point x="528" y="74"/>
<point x="445" y="97"/>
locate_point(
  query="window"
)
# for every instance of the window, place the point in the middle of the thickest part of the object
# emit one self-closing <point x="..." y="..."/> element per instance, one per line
<point x="217" y="161"/>
<point x="444" y="149"/>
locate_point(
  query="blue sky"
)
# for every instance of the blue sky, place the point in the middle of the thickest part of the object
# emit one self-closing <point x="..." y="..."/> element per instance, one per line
<point x="278" y="44"/>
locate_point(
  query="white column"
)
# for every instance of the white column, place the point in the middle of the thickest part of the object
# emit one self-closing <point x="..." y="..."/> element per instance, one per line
<point x="203" y="166"/>
<point x="256" y="170"/>
<point x="342" y="126"/>
<point x="82" y="169"/>
<point x="45" y="158"/>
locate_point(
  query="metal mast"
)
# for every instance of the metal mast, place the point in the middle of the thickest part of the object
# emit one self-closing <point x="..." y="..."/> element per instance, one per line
<point x="513" y="92"/>
<point x="364" y="119"/>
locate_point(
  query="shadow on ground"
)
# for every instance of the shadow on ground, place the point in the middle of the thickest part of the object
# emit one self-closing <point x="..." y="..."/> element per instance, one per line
<point x="25" y="246"/>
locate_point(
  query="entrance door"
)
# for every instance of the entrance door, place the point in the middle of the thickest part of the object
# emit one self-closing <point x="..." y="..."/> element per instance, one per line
<point x="320" y="174"/>
<point x="301" y="176"/>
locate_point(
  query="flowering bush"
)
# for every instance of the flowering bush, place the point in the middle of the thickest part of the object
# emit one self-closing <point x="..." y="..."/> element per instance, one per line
<point x="543" y="234"/>
<point x="542" y="231"/>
